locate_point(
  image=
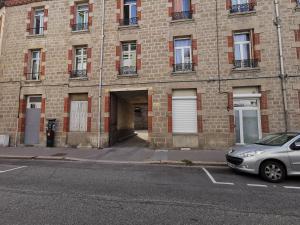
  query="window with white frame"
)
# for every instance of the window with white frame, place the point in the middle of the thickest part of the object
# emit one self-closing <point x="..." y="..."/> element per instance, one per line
<point x="184" y="111"/>
<point x="182" y="9"/>
<point x="183" y="54"/>
<point x="243" y="50"/>
<point x="38" y="21"/>
<point x="129" y="12"/>
<point x="35" y="65"/>
<point x="80" y="62"/>
<point x="82" y="17"/>
<point x="128" y="58"/>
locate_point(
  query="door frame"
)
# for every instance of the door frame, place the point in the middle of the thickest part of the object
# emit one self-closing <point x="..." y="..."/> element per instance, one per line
<point x="241" y="109"/>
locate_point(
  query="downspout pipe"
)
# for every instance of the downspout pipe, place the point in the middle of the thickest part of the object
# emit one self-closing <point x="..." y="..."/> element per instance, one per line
<point x="282" y="69"/>
<point x="99" y="142"/>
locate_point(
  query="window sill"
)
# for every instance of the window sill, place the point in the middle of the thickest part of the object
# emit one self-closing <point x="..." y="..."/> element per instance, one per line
<point x="36" y="35"/>
<point x="80" y="31"/>
<point x="78" y="78"/>
<point x="184" y="73"/>
<point x="33" y="81"/>
<point x="128" y="27"/>
<point x="246" y="69"/>
<point x="180" y="134"/>
<point x="120" y="76"/>
<point x="239" y="14"/>
<point x="182" y="21"/>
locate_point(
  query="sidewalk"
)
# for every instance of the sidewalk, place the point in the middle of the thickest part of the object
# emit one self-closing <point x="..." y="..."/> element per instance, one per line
<point x="116" y="155"/>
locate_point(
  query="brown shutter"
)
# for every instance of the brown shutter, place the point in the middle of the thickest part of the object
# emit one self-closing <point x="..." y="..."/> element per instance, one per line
<point x="170" y="122"/>
<point x="229" y="101"/>
<point x="265" y="124"/>
<point x="72" y="13"/>
<point x="230" y="41"/>
<point x="228" y="4"/>
<point x="264" y="100"/>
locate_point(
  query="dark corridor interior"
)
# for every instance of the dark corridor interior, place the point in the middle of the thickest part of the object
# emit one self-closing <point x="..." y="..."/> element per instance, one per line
<point x="129" y="119"/>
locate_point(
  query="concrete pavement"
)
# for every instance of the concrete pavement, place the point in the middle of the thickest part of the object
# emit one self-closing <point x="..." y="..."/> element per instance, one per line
<point x="117" y="155"/>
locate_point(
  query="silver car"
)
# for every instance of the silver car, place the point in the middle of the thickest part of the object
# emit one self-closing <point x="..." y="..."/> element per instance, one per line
<point x="273" y="157"/>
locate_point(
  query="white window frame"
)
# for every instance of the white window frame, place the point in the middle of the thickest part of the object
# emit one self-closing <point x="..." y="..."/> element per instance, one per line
<point x="240" y="2"/>
<point x="82" y="125"/>
<point x="38" y="13"/>
<point x="241" y="43"/>
<point x="130" y="4"/>
<point x="131" y="53"/>
<point x="83" y="59"/>
<point x="85" y="12"/>
<point x="36" y="59"/>
<point x="36" y="104"/>
<point x="182" y="48"/>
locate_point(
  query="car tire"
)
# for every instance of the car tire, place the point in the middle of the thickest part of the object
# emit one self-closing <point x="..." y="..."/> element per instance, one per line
<point x="273" y="171"/>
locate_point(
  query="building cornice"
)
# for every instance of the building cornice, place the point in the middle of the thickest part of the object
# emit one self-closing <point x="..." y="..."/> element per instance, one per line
<point x="11" y="3"/>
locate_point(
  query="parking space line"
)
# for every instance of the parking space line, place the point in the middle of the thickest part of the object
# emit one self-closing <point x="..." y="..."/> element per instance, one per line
<point x="213" y="179"/>
<point x="291" y="187"/>
<point x="4" y="171"/>
<point x="257" y="185"/>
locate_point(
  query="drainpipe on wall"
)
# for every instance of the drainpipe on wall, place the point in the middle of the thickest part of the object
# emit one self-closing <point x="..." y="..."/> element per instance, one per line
<point x="282" y="75"/>
<point x="99" y="144"/>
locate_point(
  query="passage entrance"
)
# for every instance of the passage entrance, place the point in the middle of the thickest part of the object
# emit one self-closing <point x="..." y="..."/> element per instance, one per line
<point x="129" y="118"/>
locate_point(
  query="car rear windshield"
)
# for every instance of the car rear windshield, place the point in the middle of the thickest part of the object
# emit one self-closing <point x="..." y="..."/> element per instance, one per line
<point x="276" y="139"/>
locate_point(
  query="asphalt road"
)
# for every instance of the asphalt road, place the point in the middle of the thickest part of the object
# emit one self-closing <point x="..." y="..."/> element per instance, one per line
<point x="59" y="193"/>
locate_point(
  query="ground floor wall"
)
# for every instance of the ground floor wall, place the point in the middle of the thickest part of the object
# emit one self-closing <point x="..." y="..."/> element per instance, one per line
<point x="216" y="125"/>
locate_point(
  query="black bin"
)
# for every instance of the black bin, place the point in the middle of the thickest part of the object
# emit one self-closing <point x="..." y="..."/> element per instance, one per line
<point x="50" y="132"/>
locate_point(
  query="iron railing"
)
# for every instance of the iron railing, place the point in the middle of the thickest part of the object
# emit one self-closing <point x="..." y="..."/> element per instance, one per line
<point x="80" y="27"/>
<point x="129" y="21"/>
<point x="239" y="8"/>
<point x="182" y="15"/>
<point x="246" y="63"/>
<point x="36" y="30"/>
<point x="33" y="76"/>
<point x="127" y="70"/>
<point x="78" y="74"/>
<point x="183" y="67"/>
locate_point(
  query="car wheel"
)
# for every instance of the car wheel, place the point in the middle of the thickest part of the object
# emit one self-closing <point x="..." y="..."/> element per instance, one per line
<point x="273" y="171"/>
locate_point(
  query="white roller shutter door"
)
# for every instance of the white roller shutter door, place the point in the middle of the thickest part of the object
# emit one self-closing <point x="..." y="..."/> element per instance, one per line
<point x="184" y="114"/>
<point x="78" y="116"/>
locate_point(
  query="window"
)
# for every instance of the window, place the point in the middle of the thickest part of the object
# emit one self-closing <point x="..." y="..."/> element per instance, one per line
<point x="242" y="6"/>
<point x="80" y="63"/>
<point x="183" y="55"/>
<point x="181" y="9"/>
<point x="35" y="65"/>
<point x="184" y="111"/>
<point x="243" y="51"/>
<point x="128" y="58"/>
<point x="130" y="13"/>
<point x="82" y="17"/>
<point x="38" y="22"/>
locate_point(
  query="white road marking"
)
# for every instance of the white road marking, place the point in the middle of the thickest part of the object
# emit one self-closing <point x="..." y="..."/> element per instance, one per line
<point x="4" y="171"/>
<point x="213" y="179"/>
<point x="257" y="185"/>
<point x="291" y="187"/>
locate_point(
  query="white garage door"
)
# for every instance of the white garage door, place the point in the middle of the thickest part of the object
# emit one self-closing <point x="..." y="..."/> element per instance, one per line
<point x="184" y="108"/>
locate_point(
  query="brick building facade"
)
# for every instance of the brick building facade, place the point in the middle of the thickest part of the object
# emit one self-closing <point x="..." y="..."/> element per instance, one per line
<point x="207" y="72"/>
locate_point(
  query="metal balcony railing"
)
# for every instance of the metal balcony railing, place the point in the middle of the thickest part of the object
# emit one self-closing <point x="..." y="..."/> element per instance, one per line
<point x="246" y="63"/>
<point x="183" y="67"/>
<point x="239" y="8"/>
<point x="128" y="70"/>
<point x="80" y="27"/>
<point x="78" y="74"/>
<point x="36" y="30"/>
<point x="33" y="76"/>
<point x="129" y="21"/>
<point x="182" y="15"/>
